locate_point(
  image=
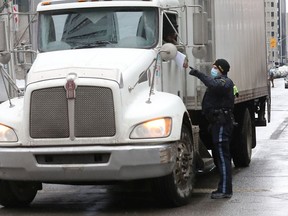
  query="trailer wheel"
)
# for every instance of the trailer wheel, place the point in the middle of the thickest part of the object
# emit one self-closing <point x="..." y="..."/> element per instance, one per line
<point x="17" y="194"/>
<point x="176" y="189"/>
<point x="241" y="147"/>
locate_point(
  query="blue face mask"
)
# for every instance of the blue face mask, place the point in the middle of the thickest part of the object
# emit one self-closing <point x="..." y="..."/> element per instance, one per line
<point x="214" y="72"/>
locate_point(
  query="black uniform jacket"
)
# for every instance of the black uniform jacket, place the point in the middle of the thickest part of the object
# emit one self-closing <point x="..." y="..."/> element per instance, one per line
<point x="219" y="93"/>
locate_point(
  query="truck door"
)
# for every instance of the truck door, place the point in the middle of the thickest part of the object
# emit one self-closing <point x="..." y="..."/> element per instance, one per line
<point x="173" y="76"/>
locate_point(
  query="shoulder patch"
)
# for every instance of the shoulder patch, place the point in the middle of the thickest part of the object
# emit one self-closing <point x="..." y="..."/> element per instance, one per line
<point x="223" y="81"/>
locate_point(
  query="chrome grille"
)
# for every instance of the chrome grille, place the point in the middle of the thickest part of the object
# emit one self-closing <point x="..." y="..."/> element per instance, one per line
<point x="94" y="110"/>
<point x="48" y="114"/>
<point x="94" y="113"/>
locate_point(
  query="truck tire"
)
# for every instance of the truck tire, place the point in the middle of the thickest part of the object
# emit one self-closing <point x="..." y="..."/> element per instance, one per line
<point x="241" y="146"/>
<point x="17" y="194"/>
<point x="176" y="189"/>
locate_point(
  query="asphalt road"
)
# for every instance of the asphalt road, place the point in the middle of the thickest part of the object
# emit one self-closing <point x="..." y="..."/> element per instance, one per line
<point x="259" y="190"/>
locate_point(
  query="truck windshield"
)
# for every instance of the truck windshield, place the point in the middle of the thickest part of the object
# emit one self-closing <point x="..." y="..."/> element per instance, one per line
<point x="97" y="27"/>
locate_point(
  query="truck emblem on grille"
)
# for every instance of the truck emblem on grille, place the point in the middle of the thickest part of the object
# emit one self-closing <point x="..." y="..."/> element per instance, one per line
<point x="70" y="89"/>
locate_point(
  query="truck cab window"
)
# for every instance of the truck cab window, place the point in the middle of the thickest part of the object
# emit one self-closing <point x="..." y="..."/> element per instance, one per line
<point x="169" y="31"/>
<point x="98" y="28"/>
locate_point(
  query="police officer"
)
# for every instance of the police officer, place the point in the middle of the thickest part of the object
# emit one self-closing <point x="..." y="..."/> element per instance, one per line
<point x="217" y="106"/>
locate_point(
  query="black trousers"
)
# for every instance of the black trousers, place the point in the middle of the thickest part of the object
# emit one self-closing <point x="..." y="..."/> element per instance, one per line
<point x="221" y="136"/>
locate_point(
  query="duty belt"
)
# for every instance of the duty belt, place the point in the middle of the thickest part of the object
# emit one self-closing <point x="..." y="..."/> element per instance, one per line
<point x="220" y="115"/>
<point x="222" y="111"/>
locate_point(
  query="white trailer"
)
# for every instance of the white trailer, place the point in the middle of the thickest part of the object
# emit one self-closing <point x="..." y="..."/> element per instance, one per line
<point x="106" y="101"/>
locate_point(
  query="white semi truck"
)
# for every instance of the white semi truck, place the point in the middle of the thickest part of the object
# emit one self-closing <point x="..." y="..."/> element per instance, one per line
<point x="105" y="100"/>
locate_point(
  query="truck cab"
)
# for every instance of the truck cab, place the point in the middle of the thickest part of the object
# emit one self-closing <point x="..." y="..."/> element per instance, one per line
<point x="94" y="107"/>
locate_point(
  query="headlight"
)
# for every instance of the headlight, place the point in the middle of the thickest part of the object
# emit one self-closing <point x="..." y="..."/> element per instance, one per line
<point x="7" y="134"/>
<point x="156" y="128"/>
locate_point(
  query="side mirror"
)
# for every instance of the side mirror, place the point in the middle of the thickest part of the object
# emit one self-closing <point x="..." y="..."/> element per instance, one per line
<point x="168" y="51"/>
<point x="200" y="28"/>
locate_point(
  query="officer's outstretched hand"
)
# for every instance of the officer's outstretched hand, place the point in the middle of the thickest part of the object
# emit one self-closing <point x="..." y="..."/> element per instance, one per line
<point x="192" y="71"/>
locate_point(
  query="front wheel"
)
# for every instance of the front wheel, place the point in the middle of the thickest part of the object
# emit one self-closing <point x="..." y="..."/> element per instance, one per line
<point x="176" y="189"/>
<point x="17" y="193"/>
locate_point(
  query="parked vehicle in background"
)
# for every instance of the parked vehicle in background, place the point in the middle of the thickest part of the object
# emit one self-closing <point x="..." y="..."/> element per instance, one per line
<point x="286" y="81"/>
<point x="106" y="101"/>
<point x="283" y="71"/>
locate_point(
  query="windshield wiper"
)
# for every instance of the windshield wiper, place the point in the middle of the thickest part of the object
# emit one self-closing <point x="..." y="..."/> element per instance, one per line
<point x="94" y="44"/>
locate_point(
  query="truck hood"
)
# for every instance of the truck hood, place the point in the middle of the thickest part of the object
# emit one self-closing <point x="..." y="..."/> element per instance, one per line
<point x="106" y="63"/>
